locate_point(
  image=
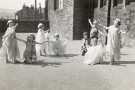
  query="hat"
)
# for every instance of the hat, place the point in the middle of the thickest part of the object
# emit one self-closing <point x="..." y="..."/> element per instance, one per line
<point x="40" y="25"/>
<point x="10" y="21"/>
<point x="118" y="20"/>
<point x="32" y="36"/>
<point x="56" y="35"/>
<point x="94" y="21"/>
<point x="85" y="33"/>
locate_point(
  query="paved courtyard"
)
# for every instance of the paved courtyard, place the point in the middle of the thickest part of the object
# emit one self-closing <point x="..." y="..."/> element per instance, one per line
<point x="68" y="73"/>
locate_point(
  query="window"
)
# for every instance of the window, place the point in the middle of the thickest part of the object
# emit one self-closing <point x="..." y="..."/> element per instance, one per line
<point x="120" y="1"/>
<point x="58" y="4"/>
<point x="104" y="2"/>
<point x="95" y="3"/>
<point x="129" y="1"/>
<point x="101" y="3"/>
<point x="115" y="2"/>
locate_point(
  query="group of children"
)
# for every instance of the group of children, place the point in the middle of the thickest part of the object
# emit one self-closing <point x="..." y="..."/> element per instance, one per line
<point x="94" y="36"/>
<point x="95" y="53"/>
<point x="37" y="45"/>
<point x="42" y="44"/>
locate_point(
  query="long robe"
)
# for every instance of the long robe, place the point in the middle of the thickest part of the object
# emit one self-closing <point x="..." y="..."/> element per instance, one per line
<point x="10" y="45"/>
<point x="113" y="42"/>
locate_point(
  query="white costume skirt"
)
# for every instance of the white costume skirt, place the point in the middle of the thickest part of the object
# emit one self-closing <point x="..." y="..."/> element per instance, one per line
<point x="94" y="55"/>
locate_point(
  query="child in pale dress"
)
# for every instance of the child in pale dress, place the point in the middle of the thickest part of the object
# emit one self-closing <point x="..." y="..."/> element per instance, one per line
<point x="58" y="46"/>
<point x="95" y="54"/>
<point x="9" y="43"/>
<point x="114" y="41"/>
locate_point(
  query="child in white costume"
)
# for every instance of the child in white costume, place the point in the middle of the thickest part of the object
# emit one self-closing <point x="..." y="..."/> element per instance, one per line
<point x="95" y="54"/>
<point x="58" y="46"/>
<point x="10" y="45"/>
<point x="40" y="37"/>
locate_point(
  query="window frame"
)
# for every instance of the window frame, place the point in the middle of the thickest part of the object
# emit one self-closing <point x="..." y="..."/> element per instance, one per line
<point x="58" y="4"/>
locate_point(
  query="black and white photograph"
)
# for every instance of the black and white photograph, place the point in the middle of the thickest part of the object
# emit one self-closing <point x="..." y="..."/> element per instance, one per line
<point x="67" y="44"/>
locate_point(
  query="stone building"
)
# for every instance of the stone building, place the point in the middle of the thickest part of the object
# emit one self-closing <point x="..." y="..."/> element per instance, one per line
<point x="123" y="9"/>
<point x="70" y="17"/>
<point x="30" y="13"/>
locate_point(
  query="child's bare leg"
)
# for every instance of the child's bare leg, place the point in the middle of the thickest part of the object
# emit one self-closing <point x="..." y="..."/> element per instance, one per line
<point x="41" y="53"/>
<point x="27" y="60"/>
<point x="45" y="52"/>
<point x="7" y="61"/>
<point x="111" y="59"/>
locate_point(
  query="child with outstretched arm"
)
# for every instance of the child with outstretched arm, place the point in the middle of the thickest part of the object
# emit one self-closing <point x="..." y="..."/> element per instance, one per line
<point x="30" y="51"/>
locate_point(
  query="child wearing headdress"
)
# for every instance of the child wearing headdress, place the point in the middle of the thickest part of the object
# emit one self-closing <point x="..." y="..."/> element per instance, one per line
<point x="114" y="41"/>
<point x="9" y="43"/>
<point x="93" y="33"/>
<point x="95" y="54"/>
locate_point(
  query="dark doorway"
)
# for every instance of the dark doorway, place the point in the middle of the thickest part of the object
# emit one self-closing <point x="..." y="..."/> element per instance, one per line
<point x="83" y="9"/>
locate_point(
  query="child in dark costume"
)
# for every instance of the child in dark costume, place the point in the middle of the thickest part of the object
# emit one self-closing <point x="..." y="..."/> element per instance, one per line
<point x="30" y="51"/>
<point x="85" y="44"/>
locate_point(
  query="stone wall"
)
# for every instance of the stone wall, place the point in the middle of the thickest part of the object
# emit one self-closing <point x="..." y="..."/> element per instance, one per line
<point x="61" y="20"/>
<point x="127" y="16"/>
<point x="100" y="14"/>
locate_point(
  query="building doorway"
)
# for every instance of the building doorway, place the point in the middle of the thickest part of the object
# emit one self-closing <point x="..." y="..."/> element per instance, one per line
<point x="83" y="9"/>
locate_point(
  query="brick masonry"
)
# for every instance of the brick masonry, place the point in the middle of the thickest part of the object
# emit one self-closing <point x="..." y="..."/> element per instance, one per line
<point x="127" y="16"/>
<point x="70" y="21"/>
<point x="61" y="20"/>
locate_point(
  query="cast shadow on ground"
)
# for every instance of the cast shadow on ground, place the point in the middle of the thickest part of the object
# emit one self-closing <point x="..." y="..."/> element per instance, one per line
<point x="123" y="54"/>
<point x="66" y="56"/>
<point x="127" y="62"/>
<point x="117" y="63"/>
<point x="43" y="63"/>
<point x="0" y="42"/>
